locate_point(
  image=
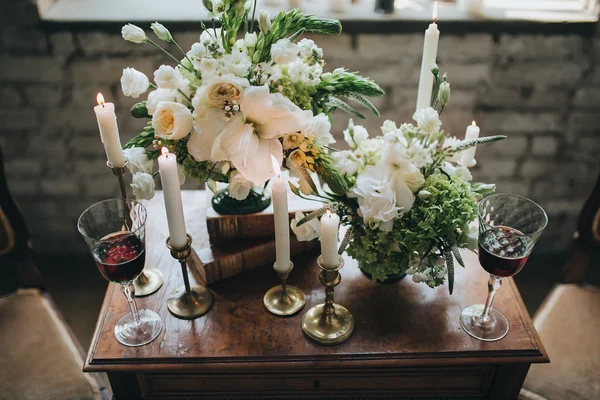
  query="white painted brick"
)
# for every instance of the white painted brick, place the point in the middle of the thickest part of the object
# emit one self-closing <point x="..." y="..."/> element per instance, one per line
<point x="86" y="72"/>
<point x="463" y="48"/>
<point x="511" y="147"/>
<point x="540" y="47"/>
<point x="21" y="39"/>
<point x="466" y="75"/>
<point x="524" y="98"/>
<point x="550" y="75"/>
<point x="62" y="43"/>
<point x="60" y="187"/>
<point x="43" y="96"/>
<point x="583" y="123"/>
<point x="491" y="170"/>
<point x="514" y="122"/>
<point x="587" y="98"/>
<point x="535" y="168"/>
<point x="23" y="168"/>
<point x="31" y="69"/>
<point x="10" y="96"/>
<point x="23" y="187"/>
<point x="21" y="118"/>
<point x="98" y="43"/>
<point x="335" y="47"/>
<point x="545" y="146"/>
<point x="390" y="47"/>
<point x="518" y="186"/>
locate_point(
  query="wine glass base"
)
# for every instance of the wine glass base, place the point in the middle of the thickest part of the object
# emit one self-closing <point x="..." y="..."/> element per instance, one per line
<point x="494" y="329"/>
<point x="149" y="281"/>
<point x="130" y="334"/>
<point x="278" y="304"/>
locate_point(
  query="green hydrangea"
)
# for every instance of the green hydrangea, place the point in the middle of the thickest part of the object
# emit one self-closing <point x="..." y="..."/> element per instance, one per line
<point x="298" y="93"/>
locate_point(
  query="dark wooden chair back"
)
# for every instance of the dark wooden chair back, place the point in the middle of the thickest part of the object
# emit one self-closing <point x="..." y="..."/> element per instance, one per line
<point x="15" y="248"/>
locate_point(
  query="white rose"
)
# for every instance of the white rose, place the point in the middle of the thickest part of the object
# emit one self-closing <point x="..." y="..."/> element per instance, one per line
<point x="133" y="33"/>
<point x="167" y="77"/>
<point x="172" y="120"/>
<point x="376" y="198"/>
<point x="214" y="92"/>
<point x="388" y="127"/>
<point x="138" y="160"/>
<point x="307" y="231"/>
<point x="162" y="32"/>
<point x="428" y="120"/>
<point x="134" y="83"/>
<point x="319" y="129"/>
<point x="239" y="187"/>
<point x="355" y="135"/>
<point x="346" y="162"/>
<point x="143" y="186"/>
<point x="158" y="95"/>
<point x="284" y="51"/>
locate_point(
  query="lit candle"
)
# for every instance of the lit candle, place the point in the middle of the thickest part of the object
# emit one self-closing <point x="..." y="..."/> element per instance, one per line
<point x="167" y="165"/>
<point x="109" y="132"/>
<point x="282" y="222"/>
<point x="468" y="156"/>
<point x="430" y="45"/>
<point x="329" y="239"/>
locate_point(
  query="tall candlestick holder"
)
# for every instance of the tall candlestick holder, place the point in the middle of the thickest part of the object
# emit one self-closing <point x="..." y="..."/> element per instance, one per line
<point x="284" y="299"/>
<point x="189" y="301"/>
<point x="328" y="323"/>
<point x="151" y="279"/>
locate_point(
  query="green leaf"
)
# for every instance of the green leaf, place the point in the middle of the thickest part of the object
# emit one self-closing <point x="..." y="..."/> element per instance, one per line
<point x="211" y="185"/>
<point x="476" y="142"/>
<point x="348" y="236"/>
<point x="342" y="105"/>
<point x="315" y="214"/>
<point x="456" y="252"/>
<point x="365" y="102"/>
<point x="483" y="188"/>
<point x="295" y="189"/>
<point x="139" y="110"/>
<point x="450" y="265"/>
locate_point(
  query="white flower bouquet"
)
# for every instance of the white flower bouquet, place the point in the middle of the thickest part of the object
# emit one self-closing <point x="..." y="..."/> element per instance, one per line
<point x="239" y="97"/>
<point x="410" y="200"/>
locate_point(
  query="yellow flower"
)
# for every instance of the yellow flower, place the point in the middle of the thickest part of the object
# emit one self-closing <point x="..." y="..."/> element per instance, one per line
<point x="297" y="157"/>
<point x="292" y="141"/>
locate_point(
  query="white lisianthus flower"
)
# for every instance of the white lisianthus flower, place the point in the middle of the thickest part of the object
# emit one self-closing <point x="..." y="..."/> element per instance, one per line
<point x="172" y="120"/>
<point x="355" y="135"/>
<point x="284" y="51"/>
<point x="309" y="50"/>
<point x="403" y="194"/>
<point x="346" y="162"/>
<point x="412" y="176"/>
<point x="372" y="149"/>
<point x="133" y="34"/>
<point x="419" y="155"/>
<point x="134" y="83"/>
<point x="376" y="197"/>
<point x="428" y="120"/>
<point x="236" y="63"/>
<point x="264" y="21"/>
<point x="143" y="186"/>
<point x="248" y="138"/>
<point x="307" y="231"/>
<point x="239" y="187"/>
<point x="162" y="32"/>
<point x="158" y="95"/>
<point x="388" y="127"/>
<point x="452" y="142"/>
<point x="138" y="160"/>
<point x="319" y="129"/>
<point x="167" y="77"/>
<point x="459" y="171"/>
<point x="250" y="39"/>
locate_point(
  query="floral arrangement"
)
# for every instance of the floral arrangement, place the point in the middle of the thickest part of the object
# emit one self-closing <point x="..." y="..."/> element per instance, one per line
<point x="238" y="97"/>
<point x="410" y="200"/>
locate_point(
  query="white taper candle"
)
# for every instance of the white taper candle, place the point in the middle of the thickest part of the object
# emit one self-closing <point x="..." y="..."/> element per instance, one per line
<point x="468" y="156"/>
<point x="430" y="46"/>
<point x="109" y="132"/>
<point x="281" y="221"/>
<point x="329" y="239"/>
<point x="169" y="177"/>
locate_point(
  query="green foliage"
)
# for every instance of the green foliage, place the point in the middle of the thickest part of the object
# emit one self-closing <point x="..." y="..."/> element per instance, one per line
<point x="139" y="110"/>
<point x="476" y="142"/>
<point x="144" y="139"/>
<point x="298" y="93"/>
<point x="330" y="175"/>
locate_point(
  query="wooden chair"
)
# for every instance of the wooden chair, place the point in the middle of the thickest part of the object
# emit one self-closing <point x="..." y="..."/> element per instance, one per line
<point x="39" y="356"/>
<point x="568" y="322"/>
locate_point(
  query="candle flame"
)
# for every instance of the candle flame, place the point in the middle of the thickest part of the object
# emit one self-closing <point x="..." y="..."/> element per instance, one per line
<point x="473" y="123"/>
<point x="327" y="213"/>
<point x="435" y="11"/>
<point x="276" y="166"/>
<point x="100" y="99"/>
<point x="164" y="151"/>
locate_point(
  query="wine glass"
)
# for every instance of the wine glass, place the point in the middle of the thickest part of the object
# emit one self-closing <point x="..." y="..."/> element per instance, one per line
<point x="509" y="226"/>
<point x="115" y="231"/>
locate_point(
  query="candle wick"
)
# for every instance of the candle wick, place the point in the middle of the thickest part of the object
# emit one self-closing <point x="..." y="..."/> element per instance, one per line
<point x="102" y="105"/>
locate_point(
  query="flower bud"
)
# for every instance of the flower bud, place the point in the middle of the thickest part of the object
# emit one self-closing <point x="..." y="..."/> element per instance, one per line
<point x="434" y="68"/>
<point x="162" y="32"/>
<point x="208" y="5"/>
<point x="264" y="21"/>
<point x="444" y="93"/>
<point x="133" y="33"/>
<point x="423" y="194"/>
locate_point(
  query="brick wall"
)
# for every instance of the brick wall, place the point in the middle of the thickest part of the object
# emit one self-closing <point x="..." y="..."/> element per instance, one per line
<point x="543" y="92"/>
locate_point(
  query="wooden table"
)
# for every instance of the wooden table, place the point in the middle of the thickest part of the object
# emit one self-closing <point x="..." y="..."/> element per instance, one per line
<point x="407" y="340"/>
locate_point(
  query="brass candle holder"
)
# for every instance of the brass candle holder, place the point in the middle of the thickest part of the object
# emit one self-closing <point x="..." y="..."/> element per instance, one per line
<point x="284" y="299"/>
<point x="189" y="301"/>
<point x="328" y="323"/>
<point x="151" y="279"/>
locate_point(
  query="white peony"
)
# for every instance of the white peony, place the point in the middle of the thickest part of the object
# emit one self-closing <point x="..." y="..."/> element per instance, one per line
<point x="158" y="95"/>
<point x="284" y="51"/>
<point x="376" y="197"/>
<point x="250" y="137"/>
<point x="134" y="83"/>
<point x="138" y="160"/>
<point x="239" y="187"/>
<point x="319" y="129"/>
<point x="428" y="120"/>
<point x="355" y="135"/>
<point x="307" y="231"/>
<point x="143" y="186"/>
<point x="167" y="77"/>
<point x="346" y="162"/>
<point x="133" y="33"/>
<point x="172" y="120"/>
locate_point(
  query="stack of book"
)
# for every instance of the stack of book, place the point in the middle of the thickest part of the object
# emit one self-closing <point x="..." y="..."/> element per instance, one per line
<point x="240" y="243"/>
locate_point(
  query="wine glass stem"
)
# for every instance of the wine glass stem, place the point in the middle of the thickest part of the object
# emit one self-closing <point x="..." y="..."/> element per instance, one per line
<point x="494" y="284"/>
<point x="129" y="292"/>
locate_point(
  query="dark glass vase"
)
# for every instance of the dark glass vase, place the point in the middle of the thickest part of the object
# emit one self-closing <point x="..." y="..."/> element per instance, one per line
<point x="255" y="202"/>
<point x="389" y="279"/>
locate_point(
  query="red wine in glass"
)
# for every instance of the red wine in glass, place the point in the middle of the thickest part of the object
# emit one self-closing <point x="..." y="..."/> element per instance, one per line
<point x="120" y="257"/>
<point x="503" y="251"/>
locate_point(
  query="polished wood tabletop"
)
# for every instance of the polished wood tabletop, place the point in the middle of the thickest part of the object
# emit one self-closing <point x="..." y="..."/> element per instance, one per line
<point x="402" y="324"/>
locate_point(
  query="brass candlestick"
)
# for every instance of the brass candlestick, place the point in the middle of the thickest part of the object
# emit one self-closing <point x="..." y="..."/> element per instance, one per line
<point x="328" y="323"/>
<point x="187" y="302"/>
<point x="284" y="299"/>
<point x="151" y="279"/>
